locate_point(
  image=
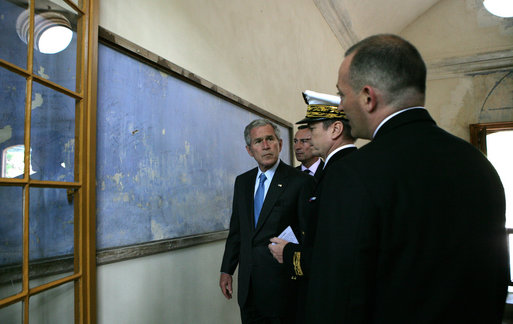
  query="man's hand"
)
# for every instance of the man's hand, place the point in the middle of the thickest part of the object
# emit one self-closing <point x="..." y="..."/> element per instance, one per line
<point x="277" y="248"/>
<point x="225" y="282"/>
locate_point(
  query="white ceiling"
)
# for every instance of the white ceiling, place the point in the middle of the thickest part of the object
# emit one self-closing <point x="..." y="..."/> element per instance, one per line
<point x="353" y="20"/>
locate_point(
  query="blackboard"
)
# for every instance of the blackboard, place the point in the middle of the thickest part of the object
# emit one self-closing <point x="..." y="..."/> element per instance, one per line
<point x="169" y="146"/>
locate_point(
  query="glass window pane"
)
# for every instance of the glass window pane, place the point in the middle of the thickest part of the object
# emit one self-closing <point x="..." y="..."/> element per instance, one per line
<point x="51" y="232"/>
<point x="12" y="122"/>
<point x="12" y="314"/>
<point x="13" y="162"/>
<point x="52" y="135"/>
<point x="11" y="240"/>
<point x="499" y="150"/>
<point x="55" y="54"/>
<point x="56" y="305"/>
<point x="12" y="48"/>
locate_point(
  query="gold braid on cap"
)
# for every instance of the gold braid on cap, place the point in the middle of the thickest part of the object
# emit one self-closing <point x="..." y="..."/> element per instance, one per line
<point x="324" y="111"/>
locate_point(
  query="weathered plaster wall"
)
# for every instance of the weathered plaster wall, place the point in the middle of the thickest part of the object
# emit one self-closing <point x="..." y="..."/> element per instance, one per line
<point x="459" y="28"/>
<point x="455" y="103"/>
<point x="469" y="53"/>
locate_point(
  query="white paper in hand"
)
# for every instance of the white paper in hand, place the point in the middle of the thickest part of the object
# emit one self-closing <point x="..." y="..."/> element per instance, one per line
<point x="288" y="235"/>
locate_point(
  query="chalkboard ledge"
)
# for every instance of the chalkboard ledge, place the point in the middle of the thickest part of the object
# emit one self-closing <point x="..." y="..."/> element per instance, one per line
<point x="122" y="253"/>
<point x="65" y="264"/>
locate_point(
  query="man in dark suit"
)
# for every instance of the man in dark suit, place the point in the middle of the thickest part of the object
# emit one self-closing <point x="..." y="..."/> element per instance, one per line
<point x="310" y="164"/>
<point x="265" y="293"/>
<point x="331" y="139"/>
<point x="420" y="236"/>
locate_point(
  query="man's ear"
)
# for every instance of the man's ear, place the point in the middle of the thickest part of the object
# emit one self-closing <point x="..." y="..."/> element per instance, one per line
<point x="336" y="129"/>
<point x="368" y="98"/>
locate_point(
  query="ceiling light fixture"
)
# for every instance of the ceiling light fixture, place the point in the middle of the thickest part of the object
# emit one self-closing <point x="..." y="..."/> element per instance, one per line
<point x="52" y="31"/>
<point x="500" y="8"/>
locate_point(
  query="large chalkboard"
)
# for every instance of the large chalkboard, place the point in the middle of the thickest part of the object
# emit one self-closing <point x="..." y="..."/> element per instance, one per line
<point x="168" y="149"/>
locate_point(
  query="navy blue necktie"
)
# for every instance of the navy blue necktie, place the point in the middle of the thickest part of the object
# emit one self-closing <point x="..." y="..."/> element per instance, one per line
<point x="259" y="197"/>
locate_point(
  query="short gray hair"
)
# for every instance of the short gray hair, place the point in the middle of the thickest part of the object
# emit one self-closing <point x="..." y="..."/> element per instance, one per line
<point x="259" y="123"/>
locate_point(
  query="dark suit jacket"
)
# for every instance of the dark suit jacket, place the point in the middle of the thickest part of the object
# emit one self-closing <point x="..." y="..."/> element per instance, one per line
<point x="412" y="231"/>
<point x="296" y="257"/>
<point x="246" y="246"/>
<point x="318" y="172"/>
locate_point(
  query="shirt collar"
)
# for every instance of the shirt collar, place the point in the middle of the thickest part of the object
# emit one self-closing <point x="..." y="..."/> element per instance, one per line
<point x="313" y="167"/>
<point x="336" y="150"/>
<point x="392" y="115"/>
<point x="269" y="173"/>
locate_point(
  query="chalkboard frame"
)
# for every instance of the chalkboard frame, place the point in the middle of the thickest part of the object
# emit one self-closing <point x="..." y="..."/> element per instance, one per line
<point x="126" y="47"/>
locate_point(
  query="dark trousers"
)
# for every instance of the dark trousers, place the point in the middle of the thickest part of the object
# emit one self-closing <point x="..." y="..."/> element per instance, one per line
<point x="250" y="313"/>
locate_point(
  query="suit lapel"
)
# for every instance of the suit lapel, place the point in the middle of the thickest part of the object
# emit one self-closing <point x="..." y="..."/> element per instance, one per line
<point x="249" y="191"/>
<point x="318" y="172"/>
<point x="277" y="186"/>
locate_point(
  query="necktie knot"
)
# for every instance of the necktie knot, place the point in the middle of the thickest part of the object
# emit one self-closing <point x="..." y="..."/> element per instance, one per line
<point x="262" y="178"/>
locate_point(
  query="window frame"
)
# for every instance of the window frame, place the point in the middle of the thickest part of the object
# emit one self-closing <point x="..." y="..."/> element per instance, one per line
<point x="478" y="134"/>
<point x="82" y="189"/>
<point x="479" y="131"/>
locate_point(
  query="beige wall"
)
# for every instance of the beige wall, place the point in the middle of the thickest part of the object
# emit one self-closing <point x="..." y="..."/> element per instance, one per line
<point x="266" y="52"/>
<point x="469" y="53"/>
<point x="459" y="28"/>
<point x="178" y="287"/>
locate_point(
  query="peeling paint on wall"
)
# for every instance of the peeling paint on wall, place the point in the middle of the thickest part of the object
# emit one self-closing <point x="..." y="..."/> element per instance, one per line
<point x="38" y="101"/>
<point x="187" y="146"/>
<point x="458" y="95"/>
<point x="5" y="133"/>
<point x="157" y="231"/>
<point x="117" y="178"/>
<point x="477" y="98"/>
<point x="42" y="74"/>
<point x="69" y="146"/>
